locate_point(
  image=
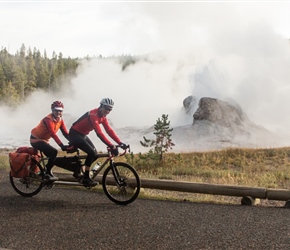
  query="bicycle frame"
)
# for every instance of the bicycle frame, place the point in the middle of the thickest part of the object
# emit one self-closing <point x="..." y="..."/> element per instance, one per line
<point x="78" y="158"/>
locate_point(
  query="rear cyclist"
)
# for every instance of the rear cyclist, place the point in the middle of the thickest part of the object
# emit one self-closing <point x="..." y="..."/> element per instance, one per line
<point x="92" y="120"/>
<point x="47" y="128"/>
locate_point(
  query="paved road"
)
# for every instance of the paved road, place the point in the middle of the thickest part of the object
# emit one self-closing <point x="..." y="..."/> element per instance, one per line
<point x="65" y="218"/>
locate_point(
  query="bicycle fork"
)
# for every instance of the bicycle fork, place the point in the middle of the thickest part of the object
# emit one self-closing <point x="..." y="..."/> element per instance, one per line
<point x="116" y="174"/>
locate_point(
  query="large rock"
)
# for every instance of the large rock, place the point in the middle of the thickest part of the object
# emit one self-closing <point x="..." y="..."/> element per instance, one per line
<point x="219" y="124"/>
<point x="216" y="116"/>
<point x="219" y="112"/>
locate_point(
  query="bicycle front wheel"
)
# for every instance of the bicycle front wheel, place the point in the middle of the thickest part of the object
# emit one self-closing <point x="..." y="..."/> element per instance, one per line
<point x="121" y="183"/>
<point x="31" y="184"/>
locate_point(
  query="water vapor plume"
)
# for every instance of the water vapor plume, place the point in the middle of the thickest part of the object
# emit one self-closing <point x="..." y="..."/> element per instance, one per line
<point x="242" y="57"/>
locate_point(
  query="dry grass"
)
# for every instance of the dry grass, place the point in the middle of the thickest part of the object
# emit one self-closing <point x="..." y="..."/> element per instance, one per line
<point x="269" y="168"/>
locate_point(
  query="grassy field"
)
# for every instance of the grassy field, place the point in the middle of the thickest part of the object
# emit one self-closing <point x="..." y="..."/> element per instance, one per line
<point x="268" y="168"/>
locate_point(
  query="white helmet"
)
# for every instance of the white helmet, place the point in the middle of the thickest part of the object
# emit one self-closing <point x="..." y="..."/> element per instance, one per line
<point x="107" y="102"/>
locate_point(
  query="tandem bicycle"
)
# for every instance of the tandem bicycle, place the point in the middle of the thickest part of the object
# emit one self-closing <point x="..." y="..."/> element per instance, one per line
<point x="119" y="180"/>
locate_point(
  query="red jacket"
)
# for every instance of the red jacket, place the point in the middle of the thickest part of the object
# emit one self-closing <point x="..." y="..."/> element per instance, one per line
<point x="47" y="128"/>
<point x="92" y="121"/>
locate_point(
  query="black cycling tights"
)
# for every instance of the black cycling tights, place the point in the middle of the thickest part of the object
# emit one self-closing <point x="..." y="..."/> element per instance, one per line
<point x="85" y="144"/>
<point x="48" y="150"/>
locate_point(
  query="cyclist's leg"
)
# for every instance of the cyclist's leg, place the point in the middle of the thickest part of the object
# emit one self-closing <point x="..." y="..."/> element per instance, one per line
<point x="49" y="152"/>
<point x="91" y="151"/>
<point x="85" y="144"/>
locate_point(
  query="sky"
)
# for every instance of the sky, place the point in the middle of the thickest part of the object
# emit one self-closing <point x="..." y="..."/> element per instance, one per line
<point x="230" y="50"/>
<point x="81" y="28"/>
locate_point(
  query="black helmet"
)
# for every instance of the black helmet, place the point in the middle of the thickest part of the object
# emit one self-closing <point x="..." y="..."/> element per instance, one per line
<point x="107" y="102"/>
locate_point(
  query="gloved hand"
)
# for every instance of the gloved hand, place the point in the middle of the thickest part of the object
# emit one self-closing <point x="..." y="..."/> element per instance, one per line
<point x="114" y="150"/>
<point x="64" y="147"/>
<point x="123" y="145"/>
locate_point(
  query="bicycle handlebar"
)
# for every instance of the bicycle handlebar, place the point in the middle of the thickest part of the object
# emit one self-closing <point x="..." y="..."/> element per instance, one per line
<point x="124" y="148"/>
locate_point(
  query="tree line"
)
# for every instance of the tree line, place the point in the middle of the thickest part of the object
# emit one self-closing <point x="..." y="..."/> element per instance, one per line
<point x="28" y="70"/>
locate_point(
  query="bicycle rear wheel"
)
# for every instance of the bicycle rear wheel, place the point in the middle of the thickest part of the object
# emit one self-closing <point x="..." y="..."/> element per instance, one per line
<point x="30" y="185"/>
<point x="123" y="189"/>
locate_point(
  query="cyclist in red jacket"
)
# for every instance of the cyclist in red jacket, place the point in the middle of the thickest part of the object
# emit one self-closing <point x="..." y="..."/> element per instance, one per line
<point x="47" y="128"/>
<point x="90" y="121"/>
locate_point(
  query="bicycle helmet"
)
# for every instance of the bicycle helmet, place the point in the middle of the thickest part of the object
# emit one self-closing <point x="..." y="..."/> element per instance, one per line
<point x="107" y="102"/>
<point x="57" y="105"/>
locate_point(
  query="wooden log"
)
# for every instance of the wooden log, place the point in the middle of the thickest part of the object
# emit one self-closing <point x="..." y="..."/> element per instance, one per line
<point x="192" y="187"/>
<point x="69" y="177"/>
<point x="278" y="194"/>
<point x="204" y="188"/>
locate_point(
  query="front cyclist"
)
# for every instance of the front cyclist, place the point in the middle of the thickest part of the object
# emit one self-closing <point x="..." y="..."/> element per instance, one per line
<point x="88" y="122"/>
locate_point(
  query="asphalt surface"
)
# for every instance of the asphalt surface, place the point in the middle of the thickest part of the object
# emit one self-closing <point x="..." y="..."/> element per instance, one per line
<point x="70" y="218"/>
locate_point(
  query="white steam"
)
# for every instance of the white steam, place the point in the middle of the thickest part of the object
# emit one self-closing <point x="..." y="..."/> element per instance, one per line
<point x="200" y="51"/>
<point x="142" y="92"/>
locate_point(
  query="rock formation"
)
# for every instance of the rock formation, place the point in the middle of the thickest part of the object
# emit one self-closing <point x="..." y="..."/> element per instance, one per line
<point x="218" y="124"/>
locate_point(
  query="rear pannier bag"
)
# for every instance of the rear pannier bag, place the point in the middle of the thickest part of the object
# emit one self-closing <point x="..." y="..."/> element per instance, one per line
<point x="29" y="150"/>
<point x="24" y="161"/>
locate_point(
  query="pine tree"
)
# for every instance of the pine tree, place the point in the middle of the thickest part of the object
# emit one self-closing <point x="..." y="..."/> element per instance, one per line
<point x="9" y="95"/>
<point x="30" y="85"/>
<point x="163" y="141"/>
<point x="2" y="81"/>
<point x="41" y="74"/>
<point x="53" y="72"/>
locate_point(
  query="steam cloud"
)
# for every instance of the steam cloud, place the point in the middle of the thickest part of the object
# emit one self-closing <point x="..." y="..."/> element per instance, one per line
<point x="248" y="63"/>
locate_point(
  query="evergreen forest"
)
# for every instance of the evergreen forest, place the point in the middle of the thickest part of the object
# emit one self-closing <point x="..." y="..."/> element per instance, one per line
<point x="29" y="70"/>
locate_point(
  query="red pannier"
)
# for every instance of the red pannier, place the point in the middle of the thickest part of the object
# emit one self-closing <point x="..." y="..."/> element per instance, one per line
<point x="23" y="161"/>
